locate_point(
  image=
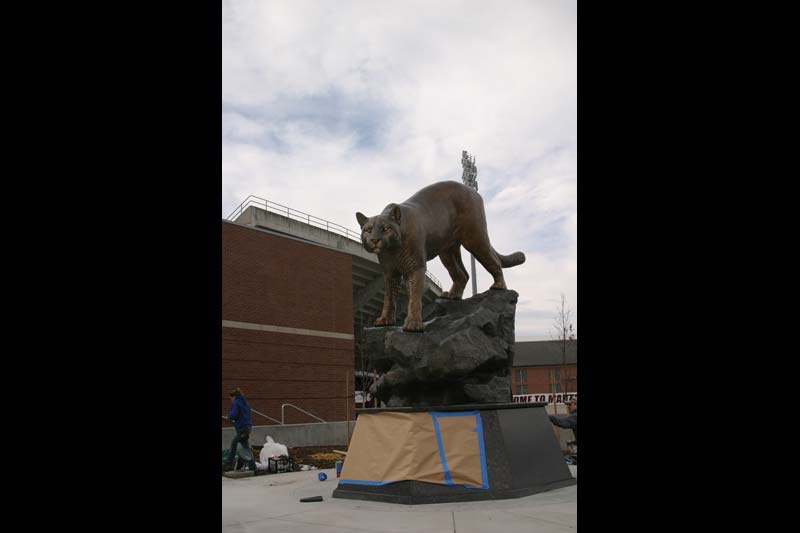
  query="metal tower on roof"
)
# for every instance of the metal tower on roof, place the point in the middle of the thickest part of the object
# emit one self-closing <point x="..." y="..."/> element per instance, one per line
<point x="470" y="175"/>
<point x="470" y="179"/>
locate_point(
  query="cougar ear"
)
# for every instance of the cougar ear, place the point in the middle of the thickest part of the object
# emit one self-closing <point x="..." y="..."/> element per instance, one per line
<point x="361" y="219"/>
<point x="395" y="213"/>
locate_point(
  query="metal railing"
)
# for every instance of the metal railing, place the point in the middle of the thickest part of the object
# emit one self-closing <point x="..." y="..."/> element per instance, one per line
<point x="433" y="280"/>
<point x="294" y="214"/>
<point x="301" y="410"/>
<point x="281" y="421"/>
<point x="265" y="416"/>
<point x="311" y="220"/>
<point x="258" y="413"/>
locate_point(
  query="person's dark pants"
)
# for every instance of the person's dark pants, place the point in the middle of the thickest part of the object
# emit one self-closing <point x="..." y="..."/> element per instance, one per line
<point x="242" y="437"/>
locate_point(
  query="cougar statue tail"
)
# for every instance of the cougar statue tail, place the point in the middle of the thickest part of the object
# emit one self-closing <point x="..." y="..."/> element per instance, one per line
<point x="511" y="260"/>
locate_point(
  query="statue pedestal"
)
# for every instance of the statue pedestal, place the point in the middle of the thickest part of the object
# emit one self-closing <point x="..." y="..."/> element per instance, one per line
<point x="452" y="453"/>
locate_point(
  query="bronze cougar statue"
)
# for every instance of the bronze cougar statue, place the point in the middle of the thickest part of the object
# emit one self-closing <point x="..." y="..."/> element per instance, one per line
<point x="437" y="220"/>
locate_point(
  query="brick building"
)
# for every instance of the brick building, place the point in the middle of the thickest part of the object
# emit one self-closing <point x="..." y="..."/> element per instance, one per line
<point x="542" y="367"/>
<point x="287" y="324"/>
<point x="292" y="294"/>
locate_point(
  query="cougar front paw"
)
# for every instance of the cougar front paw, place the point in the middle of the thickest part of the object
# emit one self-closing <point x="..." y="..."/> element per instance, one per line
<point x="450" y="295"/>
<point x="414" y="326"/>
<point x="384" y="321"/>
<point x="498" y="285"/>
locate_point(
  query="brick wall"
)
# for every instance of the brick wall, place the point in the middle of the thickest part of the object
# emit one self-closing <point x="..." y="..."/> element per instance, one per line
<point x="538" y="379"/>
<point x="272" y="280"/>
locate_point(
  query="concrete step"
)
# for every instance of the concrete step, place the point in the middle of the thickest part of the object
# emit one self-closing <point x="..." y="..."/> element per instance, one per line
<point x="239" y="474"/>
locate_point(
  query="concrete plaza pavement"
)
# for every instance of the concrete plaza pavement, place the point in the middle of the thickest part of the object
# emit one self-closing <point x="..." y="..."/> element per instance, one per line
<point x="271" y="504"/>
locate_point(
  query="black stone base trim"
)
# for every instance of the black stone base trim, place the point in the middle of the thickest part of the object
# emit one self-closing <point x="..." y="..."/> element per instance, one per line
<point x="522" y="458"/>
<point x="418" y="493"/>
<point x="446" y="408"/>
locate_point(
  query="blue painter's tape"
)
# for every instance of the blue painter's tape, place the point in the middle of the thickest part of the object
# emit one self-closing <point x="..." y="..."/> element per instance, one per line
<point x="440" y="414"/>
<point x="447" y="479"/>
<point x="478" y="429"/>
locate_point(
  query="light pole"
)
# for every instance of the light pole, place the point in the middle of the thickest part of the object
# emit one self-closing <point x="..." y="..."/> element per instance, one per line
<point x="470" y="179"/>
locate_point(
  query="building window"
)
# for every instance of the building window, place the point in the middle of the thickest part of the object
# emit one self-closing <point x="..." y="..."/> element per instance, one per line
<point x="554" y="378"/>
<point x="522" y="389"/>
<point x="522" y="376"/>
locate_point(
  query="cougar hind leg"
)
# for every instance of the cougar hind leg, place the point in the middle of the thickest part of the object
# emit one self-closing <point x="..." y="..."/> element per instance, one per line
<point x="486" y="256"/>
<point x="451" y="259"/>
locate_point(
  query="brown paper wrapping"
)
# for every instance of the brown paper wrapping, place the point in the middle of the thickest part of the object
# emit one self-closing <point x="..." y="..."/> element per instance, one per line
<point x="390" y="446"/>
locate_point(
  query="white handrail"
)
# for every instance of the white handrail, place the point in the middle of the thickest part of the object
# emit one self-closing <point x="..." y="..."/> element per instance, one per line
<point x="265" y="416"/>
<point x="258" y="413"/>
<point x="301" y="410"/>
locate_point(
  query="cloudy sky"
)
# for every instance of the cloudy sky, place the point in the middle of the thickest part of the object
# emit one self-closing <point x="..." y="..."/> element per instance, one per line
<point x="332" y="107"/>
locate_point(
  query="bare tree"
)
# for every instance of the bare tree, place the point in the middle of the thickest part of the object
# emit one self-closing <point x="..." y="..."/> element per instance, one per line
<point x="567" y="338"/>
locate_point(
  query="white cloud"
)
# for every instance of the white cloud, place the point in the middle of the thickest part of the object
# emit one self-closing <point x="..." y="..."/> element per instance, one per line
<point x="333" y="108"/>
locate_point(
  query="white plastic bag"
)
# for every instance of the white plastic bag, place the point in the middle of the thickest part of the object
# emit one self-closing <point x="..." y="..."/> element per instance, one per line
<point x="272" y="449"/>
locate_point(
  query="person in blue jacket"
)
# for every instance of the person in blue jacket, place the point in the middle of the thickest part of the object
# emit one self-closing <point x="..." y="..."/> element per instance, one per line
<point x="239" y="414"/>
